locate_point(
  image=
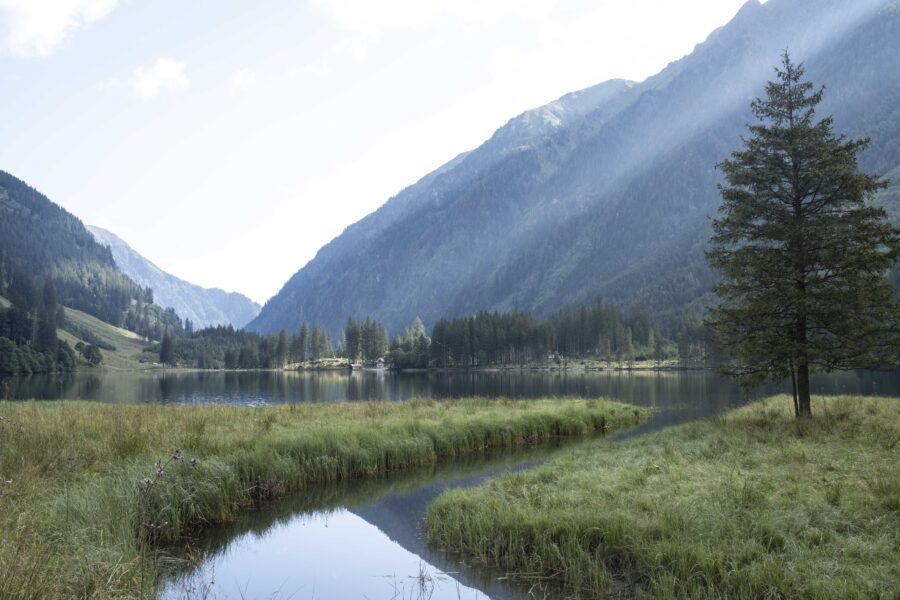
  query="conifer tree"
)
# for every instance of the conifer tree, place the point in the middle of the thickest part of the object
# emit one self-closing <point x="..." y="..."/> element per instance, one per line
<point x="166" y="350"/>
<point x="802" y="251"/>
<point x="303" y="342"/>
<point x="9" y="362"/>
<point x="281" y="350"/>
<point x="352" y="339"/>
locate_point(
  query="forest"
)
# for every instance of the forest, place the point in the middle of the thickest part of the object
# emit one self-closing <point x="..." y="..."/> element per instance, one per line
<point x="67" y="268"/>
<point x="41" y="242"/>
<point x="229" y="348"/>
<point x="28" y="339"/>
<point x="32" y="311"/>
<point x="601" y="332"/>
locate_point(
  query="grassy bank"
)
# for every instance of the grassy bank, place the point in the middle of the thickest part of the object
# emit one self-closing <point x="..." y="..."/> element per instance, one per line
<point x="83" y="504"/>
<point x="754" y="504"/>
<point x="129" y="346"/>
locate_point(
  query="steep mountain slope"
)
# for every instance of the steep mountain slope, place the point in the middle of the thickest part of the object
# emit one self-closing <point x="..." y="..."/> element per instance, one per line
<point x="41" y="242"/>
<point x="42" y="239"/>
<point x="203" y="306"/>
<point x="604" y="192"/>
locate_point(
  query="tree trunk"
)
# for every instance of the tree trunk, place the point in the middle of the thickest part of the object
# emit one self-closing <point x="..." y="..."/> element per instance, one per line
<point x="794" y="387"/>
<point x="803" y="400"/>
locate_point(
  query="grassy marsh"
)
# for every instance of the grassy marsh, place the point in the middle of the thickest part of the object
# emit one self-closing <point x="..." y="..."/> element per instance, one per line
<point x="750" y="505"/>
<point x="84" y="503"/>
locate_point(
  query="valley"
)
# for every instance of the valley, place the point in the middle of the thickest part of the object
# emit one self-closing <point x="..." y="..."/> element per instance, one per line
<point x="639" y="341"/>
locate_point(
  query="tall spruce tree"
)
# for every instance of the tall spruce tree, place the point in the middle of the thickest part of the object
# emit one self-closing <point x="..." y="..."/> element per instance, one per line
<point x="303" y="342"/>
<point x="166" y="349"/>
<point x="281" y="350"/>
<point x="802" y="252"/>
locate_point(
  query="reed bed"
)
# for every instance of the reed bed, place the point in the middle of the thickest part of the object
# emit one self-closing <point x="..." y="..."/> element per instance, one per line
<point x="89" y="492"/>
<point x="754" y="504"/>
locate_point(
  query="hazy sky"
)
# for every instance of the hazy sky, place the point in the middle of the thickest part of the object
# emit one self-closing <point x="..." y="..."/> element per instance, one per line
<point x="227" y="141"/>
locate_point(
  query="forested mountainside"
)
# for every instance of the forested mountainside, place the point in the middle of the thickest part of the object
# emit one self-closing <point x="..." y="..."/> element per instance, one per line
<point x="204" y="307"/>
<point x="41" y="244"/>
<point x="605" y="192"/>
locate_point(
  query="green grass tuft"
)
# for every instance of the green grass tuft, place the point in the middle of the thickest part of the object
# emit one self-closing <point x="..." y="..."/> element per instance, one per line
<point x="753" y="504"/>
<point x="83" y="511"/>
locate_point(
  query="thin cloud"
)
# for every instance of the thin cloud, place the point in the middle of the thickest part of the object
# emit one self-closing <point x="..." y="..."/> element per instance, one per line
<point x="35" y="28"/>
<point x="243" y="78"/>
<point x="366" y="22"/>
<point x="318" y="68"/>
<point x="372" y="19"/>
<point x="166" y="75"/>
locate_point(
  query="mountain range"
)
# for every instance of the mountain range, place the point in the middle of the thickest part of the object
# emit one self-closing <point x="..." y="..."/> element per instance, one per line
<point x="605" y="192"/>
<point x="204" y="307"/>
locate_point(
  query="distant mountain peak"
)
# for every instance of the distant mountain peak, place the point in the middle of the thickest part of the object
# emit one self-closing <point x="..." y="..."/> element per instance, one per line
<point x="203" y="306"/>
<point x="607" y="191"/>
<point x="565" y="110"/>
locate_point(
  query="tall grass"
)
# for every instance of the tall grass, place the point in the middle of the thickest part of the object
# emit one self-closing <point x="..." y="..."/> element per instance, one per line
<point x="752" y="505"/>
<point x="90" y="491"/>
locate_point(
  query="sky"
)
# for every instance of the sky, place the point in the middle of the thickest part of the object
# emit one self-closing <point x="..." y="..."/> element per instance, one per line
<point x="228" y="140"/>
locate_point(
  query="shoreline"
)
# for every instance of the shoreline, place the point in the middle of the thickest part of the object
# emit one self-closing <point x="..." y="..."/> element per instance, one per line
<point x="91" y="492"/>
<point x="753" y="503"/>
<point x="484" y="369"/>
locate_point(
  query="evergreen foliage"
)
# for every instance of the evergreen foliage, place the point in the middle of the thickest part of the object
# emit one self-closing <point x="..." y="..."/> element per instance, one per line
<point x="412" y="349"/>
<point x="802" y="250"/>
<point x="364" y="340"/>
<point x="599" y="331"/>
<point x="51" y="244"/>
<point x="166" y="352"/>
<point x="226" y="347"/>
<point x="49" y="259"/>
<point x="28" y="340"/>
<point x="281" y="349"/>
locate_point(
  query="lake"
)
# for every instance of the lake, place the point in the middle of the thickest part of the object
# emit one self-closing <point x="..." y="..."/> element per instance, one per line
<point x="362" y="539"/>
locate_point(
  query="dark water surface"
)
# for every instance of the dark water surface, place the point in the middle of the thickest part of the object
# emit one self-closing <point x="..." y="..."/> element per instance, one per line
<point x="677" y="395"/>
<point x="648" y="388"/>
<point x="358" y="539"/>
<point x="363" y="539"/>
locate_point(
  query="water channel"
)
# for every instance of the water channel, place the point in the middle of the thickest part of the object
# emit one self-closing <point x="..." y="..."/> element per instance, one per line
<point x="363" y="539"/>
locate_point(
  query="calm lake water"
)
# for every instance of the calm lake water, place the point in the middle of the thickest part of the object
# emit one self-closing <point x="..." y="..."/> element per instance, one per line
<point x="363" y="539"/>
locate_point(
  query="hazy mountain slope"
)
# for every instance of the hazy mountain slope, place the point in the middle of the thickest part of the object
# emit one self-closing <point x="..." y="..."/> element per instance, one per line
<point x="45" y="241"/>
<point x="41" y="242"/>
<point x="203" y="306"/>
<point x="610" y="198"/>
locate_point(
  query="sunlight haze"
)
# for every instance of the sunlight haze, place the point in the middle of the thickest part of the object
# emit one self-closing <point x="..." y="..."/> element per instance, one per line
<point x="228" y="141"/>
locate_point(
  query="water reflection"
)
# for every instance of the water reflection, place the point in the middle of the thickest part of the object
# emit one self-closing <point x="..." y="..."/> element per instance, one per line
<point x="362" y="540"/>
<point x="677" y="395"/>
<point x="358" y="539"/>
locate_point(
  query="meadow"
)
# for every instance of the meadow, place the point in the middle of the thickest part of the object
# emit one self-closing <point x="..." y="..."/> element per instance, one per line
<point x="129" y="353"/>
<point x="753" y="504"/>
<point x="90" y="493"/>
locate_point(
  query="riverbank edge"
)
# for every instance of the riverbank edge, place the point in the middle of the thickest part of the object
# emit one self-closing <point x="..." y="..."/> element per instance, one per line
<point x="483" y="369"/>
<point x="88" y="504"/>
<point x="751" y="504"/>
